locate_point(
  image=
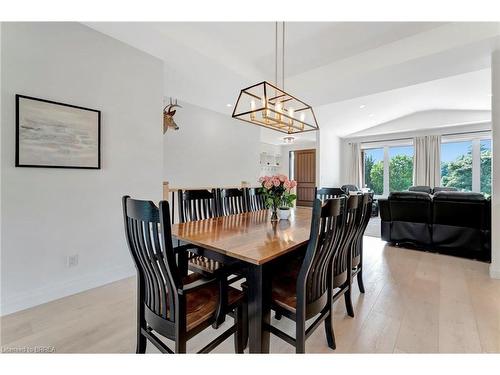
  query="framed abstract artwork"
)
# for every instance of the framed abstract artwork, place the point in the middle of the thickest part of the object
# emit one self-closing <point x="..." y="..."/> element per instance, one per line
<point x="56" y="135"/>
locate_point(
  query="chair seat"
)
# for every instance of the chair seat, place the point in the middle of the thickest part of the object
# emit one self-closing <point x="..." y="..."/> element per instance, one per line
<point x="201" y="304"/>
<point x="284" y="285"/>
<point x="203" y="265"/>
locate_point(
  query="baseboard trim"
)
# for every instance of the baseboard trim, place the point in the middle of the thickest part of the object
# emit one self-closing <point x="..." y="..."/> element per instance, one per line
<point x="46" y="294"/>
<point x="494" y="273"/>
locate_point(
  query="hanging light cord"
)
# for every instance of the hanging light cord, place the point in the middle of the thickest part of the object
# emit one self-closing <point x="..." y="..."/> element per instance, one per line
<point x="283" y="60"/>
<point x="276" y="54"/>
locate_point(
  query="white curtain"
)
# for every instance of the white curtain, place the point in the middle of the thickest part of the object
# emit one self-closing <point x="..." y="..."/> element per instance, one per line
<point x="354" y="165"/>
<point x="427" y="161"/>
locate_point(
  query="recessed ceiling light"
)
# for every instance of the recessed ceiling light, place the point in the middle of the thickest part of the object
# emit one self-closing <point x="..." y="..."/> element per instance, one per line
<point x="229" y="105"/>
<point x="371" y="115"/>
<point x="362" y="106"/>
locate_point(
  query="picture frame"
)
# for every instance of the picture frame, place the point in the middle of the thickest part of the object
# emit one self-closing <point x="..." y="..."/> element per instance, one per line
<point x="52" y="134"/>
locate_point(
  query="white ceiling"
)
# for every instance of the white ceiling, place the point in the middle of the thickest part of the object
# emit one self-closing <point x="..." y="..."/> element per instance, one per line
<point x="465" y="92"/>
<point x="395" y="69"/>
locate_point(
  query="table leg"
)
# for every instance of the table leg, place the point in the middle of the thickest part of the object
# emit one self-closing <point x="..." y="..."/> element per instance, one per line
<point x="259" y="311"/>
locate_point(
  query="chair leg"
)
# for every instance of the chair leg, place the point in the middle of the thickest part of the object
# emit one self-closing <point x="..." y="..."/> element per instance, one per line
<point x="180" y="345"/>
<point x="361" y="286"/>
<point x="277" y="315"/>
<point x="300" y="338"/>
<point x="239" y="334"/>
<point x="348" y="302"/>
<point x="330" y="334"/>
<point x="141" y="342"/>
<point x="244" y="329"/>
<point x="220" y="315"/>
<point x="182" y="261"/>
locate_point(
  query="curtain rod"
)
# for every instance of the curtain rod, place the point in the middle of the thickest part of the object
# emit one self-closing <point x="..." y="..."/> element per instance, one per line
<point x="442" y="135"/>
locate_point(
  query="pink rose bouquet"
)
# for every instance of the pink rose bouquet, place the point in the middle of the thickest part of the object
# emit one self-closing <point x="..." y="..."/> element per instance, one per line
<point x="277" y="192"/>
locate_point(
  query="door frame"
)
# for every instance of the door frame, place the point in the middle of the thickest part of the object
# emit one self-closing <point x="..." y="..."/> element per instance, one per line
<point x="293" y="160"/>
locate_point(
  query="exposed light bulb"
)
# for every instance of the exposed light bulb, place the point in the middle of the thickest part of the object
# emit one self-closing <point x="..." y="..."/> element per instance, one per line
<point x="278" y="108"/>
<point x="290" y="112"/>
<point x="302" y="117"/>
<point x="252" y="108"/>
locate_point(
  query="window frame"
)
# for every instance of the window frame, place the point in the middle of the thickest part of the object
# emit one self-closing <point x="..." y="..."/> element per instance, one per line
<point x="474" y="137"/>
<point x="384" y="145"/>
<point x="475" y="140"/>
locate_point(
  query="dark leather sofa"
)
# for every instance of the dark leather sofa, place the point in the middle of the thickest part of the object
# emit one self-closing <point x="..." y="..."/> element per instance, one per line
<point x="448" y="222"/>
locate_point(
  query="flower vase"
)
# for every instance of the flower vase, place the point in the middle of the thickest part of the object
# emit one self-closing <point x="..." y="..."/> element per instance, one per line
<point x="274" y="215"/>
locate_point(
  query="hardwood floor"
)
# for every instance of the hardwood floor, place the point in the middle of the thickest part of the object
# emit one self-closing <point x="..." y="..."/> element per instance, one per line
<point x="415" y="302"/>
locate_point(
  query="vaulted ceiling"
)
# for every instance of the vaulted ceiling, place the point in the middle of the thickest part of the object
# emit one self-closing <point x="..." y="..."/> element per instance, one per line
<point x="392" y="69"/>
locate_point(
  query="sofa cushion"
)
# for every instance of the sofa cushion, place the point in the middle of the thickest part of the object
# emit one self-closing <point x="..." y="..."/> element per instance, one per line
<point x="459" y="196"/>
<point x="409" y="195"/>
<point x="407" y="206"/>
<point x="465" y="210"/>
<point x="422" y="189"/>
<point x="444" y="188"/>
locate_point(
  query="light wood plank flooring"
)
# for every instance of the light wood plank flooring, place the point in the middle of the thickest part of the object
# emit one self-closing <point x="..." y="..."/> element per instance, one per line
<point x="415" y="302"/>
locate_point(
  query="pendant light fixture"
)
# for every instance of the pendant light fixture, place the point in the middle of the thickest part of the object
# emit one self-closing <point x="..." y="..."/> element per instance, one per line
<point x="267" y="105"/>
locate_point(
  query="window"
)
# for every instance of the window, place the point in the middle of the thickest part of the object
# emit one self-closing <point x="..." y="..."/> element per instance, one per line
<point x="465" y="164"/>
<point x="485" y="170"/>
<point x="373" y="171"/>
<point x="400" y="168"/>
<point x="456" y="165"/>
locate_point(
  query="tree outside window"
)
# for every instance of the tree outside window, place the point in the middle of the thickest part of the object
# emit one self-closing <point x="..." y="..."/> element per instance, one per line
<point x="373" y="172"/>
<point x="400" y="169"/>
<point x="485" y="147"/>
<point x="456" y="165"/>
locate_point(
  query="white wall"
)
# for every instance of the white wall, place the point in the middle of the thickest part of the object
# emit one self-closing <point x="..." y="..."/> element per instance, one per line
<point x="495" y="202"/>
<point x="48" y="214"/>
<point x="330" y="158"/>
<point x="210" y="149"/>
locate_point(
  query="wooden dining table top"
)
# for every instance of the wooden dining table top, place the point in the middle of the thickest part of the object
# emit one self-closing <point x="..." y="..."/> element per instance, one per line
<point x="250" y="236"/>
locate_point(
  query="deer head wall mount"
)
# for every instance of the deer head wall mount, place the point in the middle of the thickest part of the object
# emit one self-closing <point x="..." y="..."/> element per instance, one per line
<point x="168" y="116"/>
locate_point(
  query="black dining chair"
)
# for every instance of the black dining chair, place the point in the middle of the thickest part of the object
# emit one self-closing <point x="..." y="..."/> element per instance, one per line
<point x="302" y="289"/>
<point x="328" y="193"/>
<point x="349" y="187"/>
<point x="169" y="303"/>
<point x="357" y="245"/>
<point x="322" y="194"/>
<point x="255" y="199"/>
<point x="196" y="205"/>
<point x="231" y="201"/>
<point x="342" y="261"/>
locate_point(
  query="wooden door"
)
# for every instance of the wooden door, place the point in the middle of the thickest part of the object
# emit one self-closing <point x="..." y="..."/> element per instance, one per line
<point x="305" y="175"/>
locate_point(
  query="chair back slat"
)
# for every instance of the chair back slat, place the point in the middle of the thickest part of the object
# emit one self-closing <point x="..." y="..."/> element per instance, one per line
<point x="231" y="201"/>
<point x="326" y="233"/>
<point x="255" y="199"/>
<point x="328" y="193"/>
<point x="153" y="254"/>
<point x="196" y="205"/>
<point x="364" y="215"/>
<point x="342" y="261"/>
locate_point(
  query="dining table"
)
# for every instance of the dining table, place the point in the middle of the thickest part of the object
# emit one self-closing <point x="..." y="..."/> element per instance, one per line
<point x="257" y="243"/>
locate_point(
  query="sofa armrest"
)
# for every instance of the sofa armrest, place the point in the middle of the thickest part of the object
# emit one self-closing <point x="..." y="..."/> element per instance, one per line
<point x="384" y="209"/>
